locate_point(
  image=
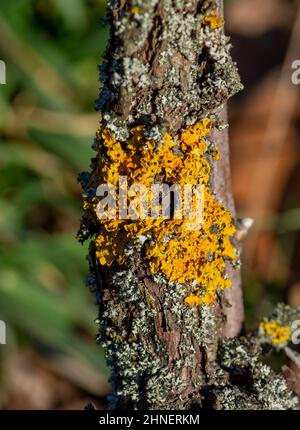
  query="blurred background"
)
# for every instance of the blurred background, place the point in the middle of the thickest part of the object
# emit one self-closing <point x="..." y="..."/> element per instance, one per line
<point x="47" y="123"/>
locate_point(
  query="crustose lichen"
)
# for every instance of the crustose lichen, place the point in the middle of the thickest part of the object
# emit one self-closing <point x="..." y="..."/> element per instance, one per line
<point x="185" y="256"/>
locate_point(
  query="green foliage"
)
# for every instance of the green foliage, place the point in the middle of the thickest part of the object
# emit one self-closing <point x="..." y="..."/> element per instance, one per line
<point x="47" y="122"/>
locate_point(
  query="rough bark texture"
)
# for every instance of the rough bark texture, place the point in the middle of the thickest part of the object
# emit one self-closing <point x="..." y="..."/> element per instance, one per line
<point x="221" y="183"/>
<point x="165" y="69"/>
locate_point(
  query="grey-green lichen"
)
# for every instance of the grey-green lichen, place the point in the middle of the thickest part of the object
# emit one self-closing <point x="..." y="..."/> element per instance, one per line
<point x="137" y="363"/>
<point x="284" y="315"/>
<point x="253" y="384"/>
<point x="158" y="59"/>
<point x="128" y="357"/>
<point x="245" y="382"/>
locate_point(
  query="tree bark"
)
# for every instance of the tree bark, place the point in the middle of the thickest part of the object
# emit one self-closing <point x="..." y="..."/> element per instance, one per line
<point x="166" y="67"/>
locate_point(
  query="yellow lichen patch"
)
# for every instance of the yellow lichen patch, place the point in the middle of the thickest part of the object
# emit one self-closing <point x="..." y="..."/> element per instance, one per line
<point x="195" y="257"/>
<point x="213" y="20"/>
<point x="192" y="136"/>
<point x="198" y="256"/>
<point x="135" y="10"/>
<point x="277" y="334"/>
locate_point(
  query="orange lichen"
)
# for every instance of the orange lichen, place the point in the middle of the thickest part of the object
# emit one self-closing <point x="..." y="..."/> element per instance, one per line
<point x="187" y="256"/>
<point x="277" y="334"/>
<point x="213" y="20"/>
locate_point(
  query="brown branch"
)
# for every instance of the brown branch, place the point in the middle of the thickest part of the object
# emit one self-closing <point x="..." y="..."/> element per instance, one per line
<point x="164" y="70"/>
